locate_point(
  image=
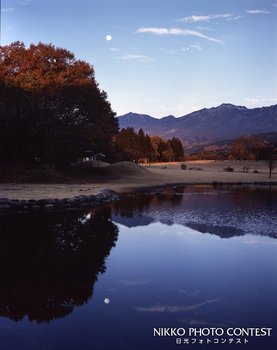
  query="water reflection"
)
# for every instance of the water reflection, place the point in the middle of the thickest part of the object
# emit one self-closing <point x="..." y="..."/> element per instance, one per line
<point x="220" y="231"/>
<point x="132" y="211"/>
<point x="163" y="273"/>
<point x="225" y="213"/>
<point x="50" y="263"/>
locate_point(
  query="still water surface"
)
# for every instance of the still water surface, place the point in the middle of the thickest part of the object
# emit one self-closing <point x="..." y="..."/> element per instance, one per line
<point x="187" y="257"/>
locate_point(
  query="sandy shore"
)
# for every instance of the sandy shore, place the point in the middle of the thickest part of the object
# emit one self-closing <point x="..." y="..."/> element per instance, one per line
<point x="131" y="177"/>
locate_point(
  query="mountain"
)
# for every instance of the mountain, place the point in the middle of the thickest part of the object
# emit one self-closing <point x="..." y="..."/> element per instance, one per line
<point x="207" y="125"/>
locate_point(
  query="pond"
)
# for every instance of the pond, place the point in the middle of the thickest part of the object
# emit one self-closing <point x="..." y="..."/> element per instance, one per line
<point x="182" y="268"/>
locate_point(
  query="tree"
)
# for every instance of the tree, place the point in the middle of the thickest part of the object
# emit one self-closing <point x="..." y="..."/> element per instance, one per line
<point x="145" y="147"/>
<point x="271" y="158"/>
<point x="177" y="148"/>
<point x="60" y="258"/>
<point x="51" y="107"/>
<point x="246" y="147"/>
<point x="133" y="146"/>
<point x="141" y="147"/>
<point x="127" y="144"/>
<point x="167" y="151"/>
<point x="150" y="152"/>
<point x="271" y="166"/>
<point x="158" y="145"/>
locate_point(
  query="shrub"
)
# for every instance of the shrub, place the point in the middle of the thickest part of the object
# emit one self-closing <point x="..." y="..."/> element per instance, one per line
<point x="229" y="169"/>
<point x="184" y="166"/>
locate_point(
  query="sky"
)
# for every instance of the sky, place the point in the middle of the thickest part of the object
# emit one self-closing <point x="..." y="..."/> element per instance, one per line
<point x="160" y="57"/>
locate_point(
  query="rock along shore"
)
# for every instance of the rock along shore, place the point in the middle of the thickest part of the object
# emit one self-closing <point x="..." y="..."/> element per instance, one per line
<point x="106" y="196"/>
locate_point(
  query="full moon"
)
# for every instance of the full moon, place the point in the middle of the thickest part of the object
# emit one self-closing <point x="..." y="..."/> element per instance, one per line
<point x="108" y="37"/>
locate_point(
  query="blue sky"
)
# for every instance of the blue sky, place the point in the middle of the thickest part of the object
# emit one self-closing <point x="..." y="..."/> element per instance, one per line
<point x="165" y="57"/>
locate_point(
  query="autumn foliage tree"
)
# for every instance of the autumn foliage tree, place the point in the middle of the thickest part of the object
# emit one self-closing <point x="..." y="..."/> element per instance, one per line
<point x="133" y="146"/>
<point x="247" y="147"/>
<point x="177" y="148"/>
<point x="51" y="107"/>
<point x="167" y="151"/>
<point x="138" y="146"/>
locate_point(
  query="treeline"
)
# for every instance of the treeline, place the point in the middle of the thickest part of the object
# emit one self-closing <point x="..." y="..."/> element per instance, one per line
<point x="52" y="112"/>
<point x="51" y="108"/>
<point x="140" y="147"/>
<point x="251" y="148"/>
<point x="243" y="148"/>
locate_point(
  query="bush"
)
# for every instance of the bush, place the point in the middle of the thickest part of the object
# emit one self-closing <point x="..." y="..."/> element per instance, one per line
<point x="184" y="166"/>
<point x="246" y="169"/>
<point x="229" y="169"/>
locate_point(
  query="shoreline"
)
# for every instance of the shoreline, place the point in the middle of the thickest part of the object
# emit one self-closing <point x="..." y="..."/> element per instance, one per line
<point x="36" y="192"/>
<point x="125" y="177"/>
<point x="13" y="191"/>
<point x="103" y="197"/>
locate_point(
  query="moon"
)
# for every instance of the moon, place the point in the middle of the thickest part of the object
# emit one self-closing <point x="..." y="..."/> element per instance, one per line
<point x="106" y="300"/>
<point x="108" y="37"/>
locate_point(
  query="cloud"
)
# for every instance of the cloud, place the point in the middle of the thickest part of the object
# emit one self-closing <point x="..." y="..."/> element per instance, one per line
<point x="164" y="109"/>
<point x="193" y="19"/>
<point x="235" y="18"/>
<point x="174" y="308"/>
<point x="206" y="18"/>
<point x="256" y="101"/>
<point x="114" y="49"/>
<point x="252" y="100"/>
<point x="205" y="28"/>
<point x="169" y="51"/>
<point x="257" y="12"/>
<point x="192" y="48"/>
<point x="24" y="2"/>
<point x="177" y="31"/>
<point x="190" y="293"/>
<point x="141" y="58"/>
<point x="275" y="5"/>
<point x="9" y="9"/>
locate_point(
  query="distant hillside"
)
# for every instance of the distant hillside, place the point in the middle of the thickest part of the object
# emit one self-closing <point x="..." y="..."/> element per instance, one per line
<point x="207" y="125"/>
<point x="222" y="145"/>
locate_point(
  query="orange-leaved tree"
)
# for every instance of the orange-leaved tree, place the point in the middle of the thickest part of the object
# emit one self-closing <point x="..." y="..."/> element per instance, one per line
<point x="51" y="107"/>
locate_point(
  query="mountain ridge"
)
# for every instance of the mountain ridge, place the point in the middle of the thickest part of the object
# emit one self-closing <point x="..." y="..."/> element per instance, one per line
<point x="206" y="125"/>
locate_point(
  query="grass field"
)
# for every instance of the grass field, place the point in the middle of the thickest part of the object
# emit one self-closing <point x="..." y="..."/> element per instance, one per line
<point x="126" y="176"/>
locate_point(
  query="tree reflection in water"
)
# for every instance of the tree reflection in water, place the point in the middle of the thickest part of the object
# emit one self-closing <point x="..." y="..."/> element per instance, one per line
<point x="134" y="204"/>
<point x="49" y="263"/>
